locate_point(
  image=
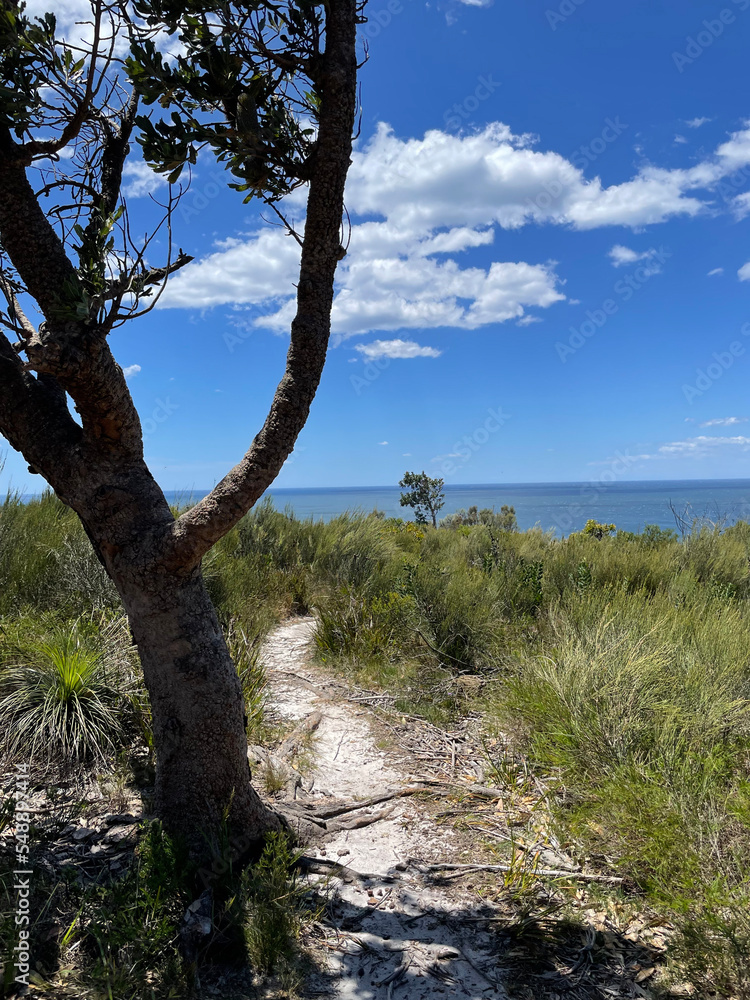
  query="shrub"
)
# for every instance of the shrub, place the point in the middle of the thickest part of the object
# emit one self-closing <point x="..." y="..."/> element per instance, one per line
<point x="274" y="904"/>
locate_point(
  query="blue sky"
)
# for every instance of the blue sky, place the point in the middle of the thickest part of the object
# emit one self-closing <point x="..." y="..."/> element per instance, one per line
<point x="549" y="274"/>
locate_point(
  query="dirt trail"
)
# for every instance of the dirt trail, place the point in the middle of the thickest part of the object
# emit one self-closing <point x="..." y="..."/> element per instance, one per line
<point x="396" y="934"/>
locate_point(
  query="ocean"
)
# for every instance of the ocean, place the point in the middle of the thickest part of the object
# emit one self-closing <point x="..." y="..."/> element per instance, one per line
<point x="560" y="507"/>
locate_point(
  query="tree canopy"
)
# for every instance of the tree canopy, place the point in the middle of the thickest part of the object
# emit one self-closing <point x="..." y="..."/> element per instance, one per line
<point x="424" y="495"/>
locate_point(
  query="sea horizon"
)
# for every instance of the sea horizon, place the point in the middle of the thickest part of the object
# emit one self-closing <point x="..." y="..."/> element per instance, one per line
<point x="559" y="506"/>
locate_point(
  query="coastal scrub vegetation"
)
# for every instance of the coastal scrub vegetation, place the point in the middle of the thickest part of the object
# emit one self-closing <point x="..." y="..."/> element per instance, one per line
<point x="616" y="662"/>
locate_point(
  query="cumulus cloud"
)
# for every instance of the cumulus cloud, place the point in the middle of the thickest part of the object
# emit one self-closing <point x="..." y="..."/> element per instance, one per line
<point x="419" y="204"/>
<point x="256" y="270"/>
<point x="131" y="371"/>
<point x="395" y="349"/>
<point x="697" y="122"/>
<point x="724" y="422"/>
<point x="680" y="140"/>
<point x="744" y="272"/>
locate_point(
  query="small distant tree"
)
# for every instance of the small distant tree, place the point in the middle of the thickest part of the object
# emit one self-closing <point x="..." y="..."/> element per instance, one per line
<point x="599" y="530"/>
<point x="424" y="495"/>
<point x="506" y="520"/>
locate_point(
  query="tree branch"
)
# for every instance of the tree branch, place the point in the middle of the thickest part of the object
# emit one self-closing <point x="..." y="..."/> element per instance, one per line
<point x="193" y="534"/>
<point x="73" y="351"/>
<point x="24" y="322"/>
<point x="152" y="276"/>
<point x="35" y="420"/>
<point x="42" y="148"/>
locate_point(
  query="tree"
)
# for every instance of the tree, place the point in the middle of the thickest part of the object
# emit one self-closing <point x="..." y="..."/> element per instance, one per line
<point x="247" y="75"/>
<point x="425" y="495"/>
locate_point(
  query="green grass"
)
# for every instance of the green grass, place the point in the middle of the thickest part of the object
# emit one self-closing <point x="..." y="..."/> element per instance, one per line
<point x="620" y="665"/>
<point x="129" y="928"/>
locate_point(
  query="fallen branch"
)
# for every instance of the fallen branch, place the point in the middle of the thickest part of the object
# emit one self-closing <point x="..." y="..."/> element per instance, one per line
<point x="545" y="872"/>
<point x="328" y="812"/>
<point x="481" y="790"/>
<point x="299" y="734"/>
<point x="361" y="821"/>
<point x="322" y="866"/>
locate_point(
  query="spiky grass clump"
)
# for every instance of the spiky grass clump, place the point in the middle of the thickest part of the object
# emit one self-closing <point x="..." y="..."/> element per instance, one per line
<point x="274" y="903"/>
<point x="64" y="698"/>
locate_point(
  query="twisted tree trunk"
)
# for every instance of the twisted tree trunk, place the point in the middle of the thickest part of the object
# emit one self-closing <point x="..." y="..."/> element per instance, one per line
<point x="97" y="466"/>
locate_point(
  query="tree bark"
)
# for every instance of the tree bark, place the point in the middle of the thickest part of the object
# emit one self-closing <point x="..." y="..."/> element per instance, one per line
<point x="203" y="775"/>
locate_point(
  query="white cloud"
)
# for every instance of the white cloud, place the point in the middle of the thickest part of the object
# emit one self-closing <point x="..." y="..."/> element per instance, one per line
<point x="417" y="204"/>
<point x="395" y="349"/>
<point x="716" y="270"/>
<point x="680" y="140"/>
<point x="697" y="122"/>
<point x="744" y="272"/>
<point x="139" y="180"/>
<point x="620" y="256"/>
<point x="382" y="443"/>
<point x="699" y="447"/>
<point x="258" y="270"/>
<point x="741" y="205"/>
<point x="496" y="176"/>
<point x="724" y="422"/>
<point x="131" y="371"/>
<point x="703" y="445"/>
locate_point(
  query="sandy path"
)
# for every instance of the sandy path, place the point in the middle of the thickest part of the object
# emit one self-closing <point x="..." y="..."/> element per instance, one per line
<point x="378" y="949"/>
